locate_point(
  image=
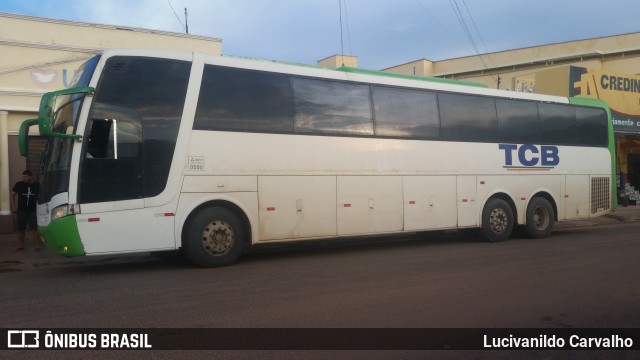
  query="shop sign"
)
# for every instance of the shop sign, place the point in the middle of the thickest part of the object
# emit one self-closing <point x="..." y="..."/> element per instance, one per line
<point x="620" y="91"/>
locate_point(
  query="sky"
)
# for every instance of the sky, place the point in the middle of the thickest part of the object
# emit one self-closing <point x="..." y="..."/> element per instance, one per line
<point x="381" y="33"/>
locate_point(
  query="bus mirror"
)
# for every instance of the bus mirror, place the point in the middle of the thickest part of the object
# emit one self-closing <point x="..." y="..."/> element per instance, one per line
<point x="23" y="138"/>
<point x="47" y="113"/>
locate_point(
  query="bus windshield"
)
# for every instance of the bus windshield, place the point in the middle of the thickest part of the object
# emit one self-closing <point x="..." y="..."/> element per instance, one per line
<point x="54" y="173"/>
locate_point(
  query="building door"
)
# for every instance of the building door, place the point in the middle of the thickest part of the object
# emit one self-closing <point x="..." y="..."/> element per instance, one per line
<point x="633" y="161"/>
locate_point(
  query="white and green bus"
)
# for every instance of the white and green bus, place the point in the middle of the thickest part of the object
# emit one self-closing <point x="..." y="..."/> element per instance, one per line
<point x="154" y="151"/>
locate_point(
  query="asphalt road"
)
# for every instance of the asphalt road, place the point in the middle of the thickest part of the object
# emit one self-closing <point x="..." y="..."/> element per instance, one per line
<point x="578" y="278"/>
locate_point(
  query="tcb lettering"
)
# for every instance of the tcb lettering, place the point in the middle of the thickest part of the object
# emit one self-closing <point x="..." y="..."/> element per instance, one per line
<point x="529" y="155"/>
<point x="550" y="155"/>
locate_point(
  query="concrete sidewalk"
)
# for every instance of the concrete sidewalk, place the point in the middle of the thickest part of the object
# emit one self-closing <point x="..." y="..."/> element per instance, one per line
<point x="13" y="260"/>
<point x="627" y="214"/>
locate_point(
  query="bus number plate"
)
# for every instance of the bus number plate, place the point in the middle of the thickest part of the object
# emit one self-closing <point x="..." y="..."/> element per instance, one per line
<point x="196" y="163"/>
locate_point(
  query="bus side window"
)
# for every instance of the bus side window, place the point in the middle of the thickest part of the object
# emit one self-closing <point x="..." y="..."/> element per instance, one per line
<point x="467" y="118"/>
<point x="406" y="113"/>
<point x="112" y="164"/>
<point x="114" y="131"/>
<point x="592" y="126"/>
<point x="98" y="143"/>
<point x="518" y="121"/>
<point x="332" y="107"/>
<point x="558" y="124"/>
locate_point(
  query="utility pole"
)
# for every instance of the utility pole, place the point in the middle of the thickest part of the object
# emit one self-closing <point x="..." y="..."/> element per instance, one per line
<point x="186" y="21"/>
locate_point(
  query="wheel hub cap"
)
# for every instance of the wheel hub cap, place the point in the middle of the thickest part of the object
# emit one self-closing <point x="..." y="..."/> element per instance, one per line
<point x="499" y="221"/>
<point x="218" y="237"/>
<point x="541" y="218"/>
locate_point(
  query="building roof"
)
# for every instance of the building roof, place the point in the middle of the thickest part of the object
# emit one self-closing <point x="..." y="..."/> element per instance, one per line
<point x="107" y="27"/>
<point x="590" y="47"/>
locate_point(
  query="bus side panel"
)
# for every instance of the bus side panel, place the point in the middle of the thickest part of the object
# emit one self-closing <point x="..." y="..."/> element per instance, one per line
<point x="429" y="202"/>
<point x="292" y="207"/>
<point x="467" y="202"/>
<point x="101" y="231"/>
<point x="369" y="204"/>
<point x="219" y="184"/>
<point x="576" y="196"/>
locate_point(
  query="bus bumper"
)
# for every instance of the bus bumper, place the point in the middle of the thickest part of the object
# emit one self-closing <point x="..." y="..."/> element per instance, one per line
<point x="61" y="236"/>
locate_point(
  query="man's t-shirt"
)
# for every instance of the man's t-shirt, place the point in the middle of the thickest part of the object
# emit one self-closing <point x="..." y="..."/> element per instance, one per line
<point x="27" y="195"/>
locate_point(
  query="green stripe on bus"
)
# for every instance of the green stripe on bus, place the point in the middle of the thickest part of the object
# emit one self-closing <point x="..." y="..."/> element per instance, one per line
<point x="62" y="237"/>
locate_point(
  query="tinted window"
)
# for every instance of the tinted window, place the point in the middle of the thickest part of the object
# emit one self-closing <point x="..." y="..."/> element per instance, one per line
<point x="331" y="107"/>
<point x="558" y="124"/>
<point x="518" y="121"/>
<point x="113" y="159"/>
<point x="141" y="101"/>
<point x="405" y="113"/>
<point x="244" y="100"/>
<point x="468" y="118"/>
<point x="592" y="126"/>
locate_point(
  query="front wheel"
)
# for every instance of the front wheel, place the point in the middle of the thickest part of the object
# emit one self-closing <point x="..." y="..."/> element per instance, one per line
<point x="497" y="220"/>
<point x="213" y="237"/>
<point x="540" y="218"/>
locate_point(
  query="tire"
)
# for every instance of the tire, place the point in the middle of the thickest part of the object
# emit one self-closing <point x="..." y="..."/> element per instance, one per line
<point x="497" y="220"/>
<point x="213" y="237"/>
<point x="540" y="218"/>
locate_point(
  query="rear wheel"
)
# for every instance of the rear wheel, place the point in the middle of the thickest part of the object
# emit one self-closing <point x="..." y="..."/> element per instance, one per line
<point x="213" y="237"/>
<point x="540" y="218"/>
<point x="497" y="220"/>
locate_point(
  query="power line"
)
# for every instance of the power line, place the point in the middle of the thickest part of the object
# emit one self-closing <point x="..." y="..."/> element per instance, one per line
<point x="437" y="22"/>
<point x="346" y="17"/>
<point x="465" y="27"/>
<point x="341" y="36"/>
<point x="475" y="27"/>
<point x="343" y="4"/>
<point x="186" y="29"/>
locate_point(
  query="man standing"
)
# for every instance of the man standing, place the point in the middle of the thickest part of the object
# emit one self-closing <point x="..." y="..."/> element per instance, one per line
<point x="27" y="193"/>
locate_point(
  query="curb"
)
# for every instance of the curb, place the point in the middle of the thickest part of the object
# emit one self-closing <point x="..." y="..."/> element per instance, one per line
<point x="615" y="217"/>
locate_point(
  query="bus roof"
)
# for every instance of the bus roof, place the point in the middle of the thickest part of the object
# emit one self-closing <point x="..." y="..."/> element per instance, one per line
<point x="343" y="73"/>
<point x="410" y="77"/>
<point x="354" y="70"/>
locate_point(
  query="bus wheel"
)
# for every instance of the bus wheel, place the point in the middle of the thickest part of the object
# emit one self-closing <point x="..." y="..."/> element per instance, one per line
<point x="497" y="220"/>
<point x="213" y="237"/>
<point x="540" y="218"/>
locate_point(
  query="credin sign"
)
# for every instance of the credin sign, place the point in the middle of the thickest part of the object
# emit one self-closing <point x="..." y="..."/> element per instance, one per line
<point x="620" y="91"/>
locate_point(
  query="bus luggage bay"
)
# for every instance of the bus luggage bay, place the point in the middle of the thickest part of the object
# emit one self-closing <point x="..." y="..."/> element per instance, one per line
<point x="153" y="151"/>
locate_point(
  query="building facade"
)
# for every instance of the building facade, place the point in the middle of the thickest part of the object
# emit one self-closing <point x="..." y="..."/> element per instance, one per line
<point x="41" y="55"/>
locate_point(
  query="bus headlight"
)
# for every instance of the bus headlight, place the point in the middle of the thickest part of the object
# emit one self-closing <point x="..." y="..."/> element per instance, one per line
<point x="60" y="211"/>
<point x="64" y="210"/>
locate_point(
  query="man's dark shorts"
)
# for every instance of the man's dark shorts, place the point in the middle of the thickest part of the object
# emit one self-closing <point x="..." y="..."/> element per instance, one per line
<point x="26" y="220"/>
